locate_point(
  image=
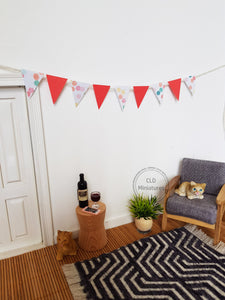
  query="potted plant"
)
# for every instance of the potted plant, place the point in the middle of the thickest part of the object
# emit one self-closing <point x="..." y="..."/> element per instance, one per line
<point x="144" y="210"/>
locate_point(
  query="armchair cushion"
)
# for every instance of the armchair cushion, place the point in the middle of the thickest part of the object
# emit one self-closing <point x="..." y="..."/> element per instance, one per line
<point x="202" y="171"/>
<point x="200" y="209"/>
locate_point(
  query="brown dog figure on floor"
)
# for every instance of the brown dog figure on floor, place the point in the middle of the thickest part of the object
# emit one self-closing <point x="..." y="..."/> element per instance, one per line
<point x="65" y="244"/>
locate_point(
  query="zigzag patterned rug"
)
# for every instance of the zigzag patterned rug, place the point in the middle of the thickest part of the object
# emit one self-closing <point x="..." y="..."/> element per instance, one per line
<point x="179" y="264"/>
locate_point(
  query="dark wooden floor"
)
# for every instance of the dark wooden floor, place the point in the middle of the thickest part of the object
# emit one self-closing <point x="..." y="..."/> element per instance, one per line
<point x="38" y="275"/>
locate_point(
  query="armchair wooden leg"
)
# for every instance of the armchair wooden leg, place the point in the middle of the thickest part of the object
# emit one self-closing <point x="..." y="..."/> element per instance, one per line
<point x="218" y="224"/>
<point x="217" y="234"/>
<point x="164" y="221"/>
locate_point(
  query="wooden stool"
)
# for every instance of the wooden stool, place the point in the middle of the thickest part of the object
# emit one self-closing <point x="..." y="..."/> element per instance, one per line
<point x="92" y="235"/>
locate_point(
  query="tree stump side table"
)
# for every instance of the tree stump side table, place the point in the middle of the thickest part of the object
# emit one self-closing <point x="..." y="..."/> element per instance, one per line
<point x="92" y="235"/>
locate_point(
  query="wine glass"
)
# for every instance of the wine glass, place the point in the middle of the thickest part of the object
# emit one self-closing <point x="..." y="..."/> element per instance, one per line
<point x="95" y="197"/>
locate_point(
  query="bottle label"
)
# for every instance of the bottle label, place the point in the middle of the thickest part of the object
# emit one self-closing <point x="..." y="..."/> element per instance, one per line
<point x="82" y="195"/>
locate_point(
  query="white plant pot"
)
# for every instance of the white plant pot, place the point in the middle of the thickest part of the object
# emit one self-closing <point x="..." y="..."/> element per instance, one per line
<point x="143" y="226"/>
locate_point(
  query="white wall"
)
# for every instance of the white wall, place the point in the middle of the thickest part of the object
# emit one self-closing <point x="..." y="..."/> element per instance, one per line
<point x="126" y="43"/>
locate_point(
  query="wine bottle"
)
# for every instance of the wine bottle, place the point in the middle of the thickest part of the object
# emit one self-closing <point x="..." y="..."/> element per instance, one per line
<point x="82" y="192"/>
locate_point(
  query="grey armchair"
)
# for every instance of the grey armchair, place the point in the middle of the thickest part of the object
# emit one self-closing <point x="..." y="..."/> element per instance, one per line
<point x="207" y="212"/>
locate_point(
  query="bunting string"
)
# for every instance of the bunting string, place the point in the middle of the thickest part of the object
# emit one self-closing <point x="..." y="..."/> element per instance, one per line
<point x="7" y="68"/>
<point x="56" y="84"/>
<point x="212" y="70"/>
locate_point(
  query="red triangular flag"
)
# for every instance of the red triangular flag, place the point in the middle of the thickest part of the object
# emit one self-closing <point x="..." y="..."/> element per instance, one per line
<point x="175" y="87"/>
<point x="139" y="92"/>
<point x="100" y="93"/>
<point x="56" y="84"/>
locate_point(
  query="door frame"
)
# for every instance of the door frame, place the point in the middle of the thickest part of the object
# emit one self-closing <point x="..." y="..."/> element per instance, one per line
<point x="35" y="119"/>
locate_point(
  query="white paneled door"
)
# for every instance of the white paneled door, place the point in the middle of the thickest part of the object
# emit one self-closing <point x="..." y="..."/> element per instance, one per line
<point x="19" y="212"/>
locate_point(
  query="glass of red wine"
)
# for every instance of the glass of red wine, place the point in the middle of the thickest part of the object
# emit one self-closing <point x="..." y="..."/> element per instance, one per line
<point x="95" y="197"/>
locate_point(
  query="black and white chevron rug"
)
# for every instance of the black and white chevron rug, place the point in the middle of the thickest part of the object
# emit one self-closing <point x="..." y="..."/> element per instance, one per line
<point x="179" y="264"/>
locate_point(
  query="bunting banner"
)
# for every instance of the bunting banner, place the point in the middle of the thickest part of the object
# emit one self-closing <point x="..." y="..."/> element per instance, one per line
<point x="100" y="93"/>
<point x="79" y="89"/>
<point x="190" y="83"/>
<point x="56" y="85"/>
<point x="31" y="81"/>
<point x="122" y="95"/>
<point x="175" y="87"/>
<point x="139" y="92"/>
<point x="158" y="89"/>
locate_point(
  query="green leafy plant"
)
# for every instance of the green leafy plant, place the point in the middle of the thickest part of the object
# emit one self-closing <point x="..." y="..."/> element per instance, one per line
<point x="144" y="207"/>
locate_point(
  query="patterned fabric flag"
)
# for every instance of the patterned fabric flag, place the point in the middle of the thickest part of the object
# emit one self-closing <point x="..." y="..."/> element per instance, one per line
<point x="56" y="85"/>
<point x="158" y="89"/>
<point x="175" y="87"/>
<point x="31" y="81"/>
<point x="122" y="94"/>
<point x="79" y="89"/>
<point x="100" y="93"/>
<point x="139" y="92"/>
<point x="190" y="83"/>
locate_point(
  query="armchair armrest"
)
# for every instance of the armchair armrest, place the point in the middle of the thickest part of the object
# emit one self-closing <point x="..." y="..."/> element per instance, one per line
<point x="174" y="182"/>
<point x="220" y="199"/>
